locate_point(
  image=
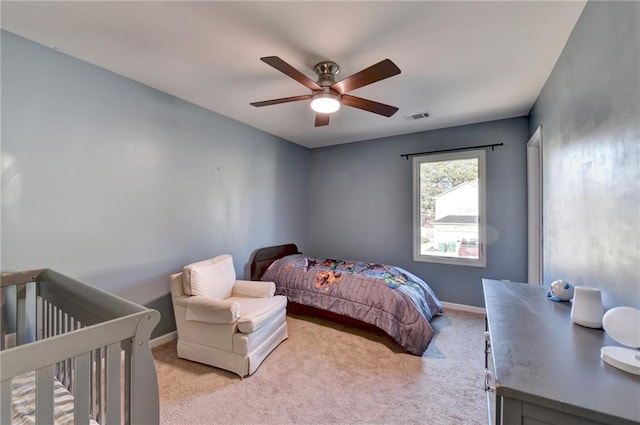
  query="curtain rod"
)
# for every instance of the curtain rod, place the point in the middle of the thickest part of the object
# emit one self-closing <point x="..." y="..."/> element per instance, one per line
<point x="492" y="146"/>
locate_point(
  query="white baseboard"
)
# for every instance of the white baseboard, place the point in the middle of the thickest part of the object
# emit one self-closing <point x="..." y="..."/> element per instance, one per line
<point x="163" y="339"/>
<point x="463" y="307"/>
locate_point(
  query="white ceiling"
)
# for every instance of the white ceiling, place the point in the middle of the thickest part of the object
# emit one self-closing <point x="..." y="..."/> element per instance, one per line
<point x="463" y="62"/>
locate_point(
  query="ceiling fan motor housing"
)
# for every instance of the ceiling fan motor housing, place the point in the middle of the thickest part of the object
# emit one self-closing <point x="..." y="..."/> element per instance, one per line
<point x="327" y="72"/>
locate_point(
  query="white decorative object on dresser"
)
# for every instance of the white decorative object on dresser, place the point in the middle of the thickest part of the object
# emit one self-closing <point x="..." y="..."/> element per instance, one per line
<point x="623" y="325"/>
<point x="586" y="308"/>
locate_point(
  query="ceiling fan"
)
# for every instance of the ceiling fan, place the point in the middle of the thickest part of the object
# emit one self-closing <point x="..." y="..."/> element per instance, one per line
<point x="327" y="95"/>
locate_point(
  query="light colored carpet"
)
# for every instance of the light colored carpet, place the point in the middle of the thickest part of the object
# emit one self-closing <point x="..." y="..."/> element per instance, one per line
<point x="327" y="373"/>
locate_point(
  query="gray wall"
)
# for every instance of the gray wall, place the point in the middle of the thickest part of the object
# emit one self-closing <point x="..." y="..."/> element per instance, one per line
<point x="360" y="205"/>
<point x="589" y="111"/>
<point x="118" y="185"/>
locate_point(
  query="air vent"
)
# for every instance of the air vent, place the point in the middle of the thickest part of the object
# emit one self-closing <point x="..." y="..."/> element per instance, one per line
<point x="417" y="116"/>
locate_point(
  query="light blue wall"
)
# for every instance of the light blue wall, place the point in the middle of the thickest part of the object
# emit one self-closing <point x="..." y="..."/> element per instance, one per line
<point x="360" y="205"/>
<point x="589" y="111"/>
<point x="118" y="185"/>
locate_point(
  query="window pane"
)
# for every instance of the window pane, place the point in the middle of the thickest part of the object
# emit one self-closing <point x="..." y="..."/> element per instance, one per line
<point x="449" y="208"/>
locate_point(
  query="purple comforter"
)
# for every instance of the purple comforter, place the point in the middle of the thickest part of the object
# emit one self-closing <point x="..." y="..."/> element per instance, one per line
<point x="385" y="296"/>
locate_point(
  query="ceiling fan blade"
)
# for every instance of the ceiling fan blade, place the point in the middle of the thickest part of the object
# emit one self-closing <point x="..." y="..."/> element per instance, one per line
<point x="380" y="71"/>
<point x="368" y="105"/>
<point x="290" y="71"/>
<point x="281" y="100"/>
<point x="322" y="119"/>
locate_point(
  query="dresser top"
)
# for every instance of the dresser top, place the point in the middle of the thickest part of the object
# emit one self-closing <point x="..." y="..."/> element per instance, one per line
<point x="542" y="357"/>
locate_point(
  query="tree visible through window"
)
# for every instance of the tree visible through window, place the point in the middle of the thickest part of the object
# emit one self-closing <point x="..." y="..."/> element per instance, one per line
<point x="449" y="208"/>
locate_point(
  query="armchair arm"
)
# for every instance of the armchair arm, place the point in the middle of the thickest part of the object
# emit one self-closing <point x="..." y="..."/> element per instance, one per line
<point x="253" y="289"/>
<point x="209" y="310"/>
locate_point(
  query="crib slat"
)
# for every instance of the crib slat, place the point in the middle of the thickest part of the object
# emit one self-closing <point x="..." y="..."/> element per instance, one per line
<point x="57" y="332"/>
<point x="113" y="384"/>
<point x="5" y="402"/>
<point x="44" y="395"/>
<point x="39" y="319"/>
<point x="3" y="322"/>
<point x="69" y="361"/>
<point x="127" y="348"/>
<point x="96" y="385"/>
<point x="47" y="319"/>
<point x="59" y="321"/>
<point x="21" y="313"/>
<point x="81" y="396"/>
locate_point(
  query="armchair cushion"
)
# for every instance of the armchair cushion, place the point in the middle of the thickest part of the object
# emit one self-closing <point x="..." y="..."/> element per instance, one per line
<point x="255" y="312"/>
<point x="212" y="279"/>
<point x="253" y="289"/>
<point x="202" y="309"/>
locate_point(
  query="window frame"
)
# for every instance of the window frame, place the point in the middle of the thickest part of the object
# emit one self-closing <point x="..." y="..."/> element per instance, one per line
<point x="482" y="210"/>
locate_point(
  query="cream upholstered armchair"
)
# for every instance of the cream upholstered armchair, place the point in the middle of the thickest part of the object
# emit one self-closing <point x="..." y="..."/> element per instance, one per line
<point x="223" y="322"/>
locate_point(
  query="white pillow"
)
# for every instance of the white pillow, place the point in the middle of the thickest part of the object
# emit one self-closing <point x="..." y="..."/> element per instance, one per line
<point x="215" y="279"/>
<point x="186" y="273"/>
<point x="188" y="269"/>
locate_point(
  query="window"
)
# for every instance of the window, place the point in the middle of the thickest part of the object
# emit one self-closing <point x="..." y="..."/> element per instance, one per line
<point x="449" y="208"/>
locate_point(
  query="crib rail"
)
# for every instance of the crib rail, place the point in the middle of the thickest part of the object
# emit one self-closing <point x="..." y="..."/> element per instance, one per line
<point x="95" y="343"/>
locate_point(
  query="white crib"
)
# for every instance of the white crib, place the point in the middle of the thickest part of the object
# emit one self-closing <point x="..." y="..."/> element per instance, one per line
<point x="82" y="354"/>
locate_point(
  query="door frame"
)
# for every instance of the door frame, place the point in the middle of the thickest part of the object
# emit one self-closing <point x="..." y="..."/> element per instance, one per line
<point x="534" y="208"/>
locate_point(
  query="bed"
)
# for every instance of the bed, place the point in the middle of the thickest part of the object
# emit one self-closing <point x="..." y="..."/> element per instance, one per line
<point x="81" y="355"/>
<point x="387" y="297"/>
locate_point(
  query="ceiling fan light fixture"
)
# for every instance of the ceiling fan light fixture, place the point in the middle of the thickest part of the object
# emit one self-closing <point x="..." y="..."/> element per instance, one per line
<point x="325" y="103"/>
